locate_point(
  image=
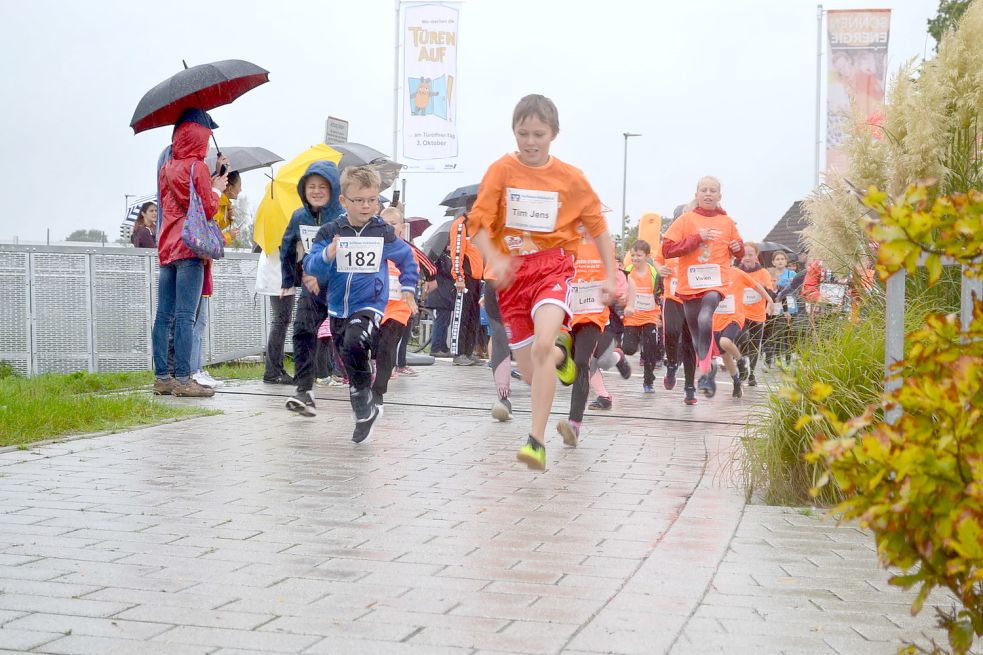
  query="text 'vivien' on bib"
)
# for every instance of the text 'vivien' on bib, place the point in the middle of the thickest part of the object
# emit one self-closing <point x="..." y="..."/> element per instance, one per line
<point x="395" y="290"/>
<point x="751" y="297"/>
<point x="585" y="297"/>
<point x="727" y="305"/>
<point x="531" y="211"/>
<point x="704" y="276"/>
<point x="645" y="302"/>
<point x="307" y="234"/>
<point x="359" y="254"/>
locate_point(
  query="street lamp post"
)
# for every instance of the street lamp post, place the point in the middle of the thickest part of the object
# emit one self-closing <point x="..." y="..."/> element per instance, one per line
<point x="624" y="189"/>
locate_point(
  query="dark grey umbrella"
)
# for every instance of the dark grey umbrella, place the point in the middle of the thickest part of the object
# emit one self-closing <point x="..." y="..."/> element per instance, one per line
<point x="204" y="87"/>
<point x="461" y="196"/>
<point x="244" y="158"/>
<point x="437" y="242"/>
<point x="357" y="154"/>
<point x="771" y="246"/>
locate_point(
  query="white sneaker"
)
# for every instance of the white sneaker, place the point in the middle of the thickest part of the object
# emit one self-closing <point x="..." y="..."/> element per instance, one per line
<point x="204" y="379"/>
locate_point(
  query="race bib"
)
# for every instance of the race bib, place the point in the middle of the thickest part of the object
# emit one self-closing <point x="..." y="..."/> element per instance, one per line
<point x="645" y="302"/>
<point x="832" y="294"/>
<point x="585" y="297"/>
<point x="704" y="276"/>
<point x="791" y="304"/>
<point x="395" y="289"/>
<point x="307" y="234"/>
<point x="531" y="211"/>
<point x="751" y="297"/>
<point x="727" y="305"/>
<point x="672" y="286"/>
<point x="359" y="254"/>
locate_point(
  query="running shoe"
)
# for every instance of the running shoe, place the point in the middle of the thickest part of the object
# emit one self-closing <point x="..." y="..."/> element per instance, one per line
<point x="570" y="431"/>
<point x="363" y="429"/>
<point x="703" y="385"/>
<point x="323" y="382"/>
<point x="737" y="387"/>
<point x="516" y="375"/>
<point x="669" y="381"/>
<point x="337" y="381"/>
<point x="742" y="368"/>
<point x="377" y="398"/>
<point x="690" y="396"/>
<point x="407" y="371"/>
<point x="601" y="402"/>
<point x="302" y="403"/>
<point x="204" y="379"/>
<point x="566" y="370"/>
<point x="648" y="388"/>
<point x="283" y="378"/>
<point x="624" y="368"/>
<point x="394" y="375"/>
<point x="712" y="383"/>
<point x="463" y="360"/>
<point x="502" y="410"/>
<point x="533" y="455"/>
<point x="752" y="381"/>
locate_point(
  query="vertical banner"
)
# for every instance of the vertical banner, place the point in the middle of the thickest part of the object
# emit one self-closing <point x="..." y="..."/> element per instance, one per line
<point x="429" y="100"/>
<point x="857" y="71"/>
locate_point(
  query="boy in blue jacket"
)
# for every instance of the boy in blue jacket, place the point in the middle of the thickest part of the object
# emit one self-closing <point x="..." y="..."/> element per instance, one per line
<point x="320" y="192"/>
<point x="349" y="255"/>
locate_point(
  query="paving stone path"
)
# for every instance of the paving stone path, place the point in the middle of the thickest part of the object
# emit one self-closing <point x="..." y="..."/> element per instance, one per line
<point x="258" y="531"/>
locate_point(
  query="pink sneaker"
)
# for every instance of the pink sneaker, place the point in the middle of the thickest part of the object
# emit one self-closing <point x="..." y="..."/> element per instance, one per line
<point x="407" y="371"/>
<point x="394" y="375"/>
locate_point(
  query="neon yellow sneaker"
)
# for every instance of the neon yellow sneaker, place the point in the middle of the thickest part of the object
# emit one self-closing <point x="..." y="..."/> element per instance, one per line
<point x="532" y="455"/>
<point x="566" y="370"/>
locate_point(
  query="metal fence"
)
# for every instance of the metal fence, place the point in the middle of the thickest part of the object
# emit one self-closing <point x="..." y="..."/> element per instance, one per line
<point x="70" y="308"/>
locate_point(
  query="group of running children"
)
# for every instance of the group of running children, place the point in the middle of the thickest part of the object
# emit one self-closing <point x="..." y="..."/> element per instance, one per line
<point x="558" y="302"/>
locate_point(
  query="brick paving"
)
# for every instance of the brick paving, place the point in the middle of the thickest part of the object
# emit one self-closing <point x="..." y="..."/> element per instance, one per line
<point x="258" y="531"/>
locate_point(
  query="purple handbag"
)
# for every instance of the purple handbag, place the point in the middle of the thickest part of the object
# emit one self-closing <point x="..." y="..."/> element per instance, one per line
<point x="200" y="234"/>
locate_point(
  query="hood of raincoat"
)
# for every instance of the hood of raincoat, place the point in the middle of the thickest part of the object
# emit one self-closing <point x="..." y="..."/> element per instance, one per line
<point x="330" y="172"/>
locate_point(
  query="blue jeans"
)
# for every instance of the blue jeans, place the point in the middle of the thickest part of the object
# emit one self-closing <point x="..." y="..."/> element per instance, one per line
<point x="178" y="291"/>
<point x="198" y="336"/>
<point x="441" y="323"/>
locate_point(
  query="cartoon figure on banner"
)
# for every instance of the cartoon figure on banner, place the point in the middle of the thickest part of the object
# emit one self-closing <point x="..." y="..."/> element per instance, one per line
<point x="421" y="98"/>
<point x="430" y="97"/>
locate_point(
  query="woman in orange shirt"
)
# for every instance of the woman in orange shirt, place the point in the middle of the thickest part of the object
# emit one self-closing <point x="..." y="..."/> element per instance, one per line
<point x="755" y="313"/>
<point x="704" y="240"/>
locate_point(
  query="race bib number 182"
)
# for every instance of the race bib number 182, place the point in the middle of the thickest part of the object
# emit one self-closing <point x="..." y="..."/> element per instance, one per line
<point x="359" y="254"/>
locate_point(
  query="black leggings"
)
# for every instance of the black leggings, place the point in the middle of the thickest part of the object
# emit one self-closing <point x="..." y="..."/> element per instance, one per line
<point x="354" y="337"/>
<point x="646" y="336"/>
<point x="586" y="337"/>
<point x="679" y="343"/>
<point x="385" y="349"/>
<point x="750" y="341"/>
<point x="699" y="319"/>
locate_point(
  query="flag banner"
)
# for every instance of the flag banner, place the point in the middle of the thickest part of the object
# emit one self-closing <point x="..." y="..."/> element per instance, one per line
<point x="429" y="89"/>
<point x="132" y="211"/>
<point x="856" y="76"/>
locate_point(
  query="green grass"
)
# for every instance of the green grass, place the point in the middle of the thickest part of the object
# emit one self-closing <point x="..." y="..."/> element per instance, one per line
<point x="851" y="359"/>
<point x="243" y="370"/>
<point x="51" y="406"/>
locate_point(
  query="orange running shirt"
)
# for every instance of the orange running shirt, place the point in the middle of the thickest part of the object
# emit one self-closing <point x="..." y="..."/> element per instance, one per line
<point x="754" y="304"/>
<point x="647" y="311"/>
<point x="702" y="269"/>
<point x="526" y="209"/>
<point x="397" y="309"/>
<point x="731" y="308"/>
<point x="585" y="289"/>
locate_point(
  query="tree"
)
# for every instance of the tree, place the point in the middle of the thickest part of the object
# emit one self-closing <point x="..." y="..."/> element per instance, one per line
<point x="94" y="236"/>
<point x="950" y="11"/>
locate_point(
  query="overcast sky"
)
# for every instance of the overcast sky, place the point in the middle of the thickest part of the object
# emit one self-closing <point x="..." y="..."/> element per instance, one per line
<point x="715" y="87"/>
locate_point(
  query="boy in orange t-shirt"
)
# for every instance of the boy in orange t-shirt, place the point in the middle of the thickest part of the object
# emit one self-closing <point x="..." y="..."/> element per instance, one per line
<point x="525" y="223"/>
<point x="755" y="314"/>
<point x="642" y="325"/>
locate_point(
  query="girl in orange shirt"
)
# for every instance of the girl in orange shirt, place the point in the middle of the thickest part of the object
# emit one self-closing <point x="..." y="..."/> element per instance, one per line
<point x="728" y="321"/>
<point x="755" y="314"/>
<point x="704" y="240"/>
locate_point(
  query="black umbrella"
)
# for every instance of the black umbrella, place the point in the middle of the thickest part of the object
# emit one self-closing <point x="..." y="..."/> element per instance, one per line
<point x="437" y="242"/>
<point x="357" y="154"/>
<point x="244" y="158"/>
<point x="461" y="196"/>
<point x="205" y="86"/>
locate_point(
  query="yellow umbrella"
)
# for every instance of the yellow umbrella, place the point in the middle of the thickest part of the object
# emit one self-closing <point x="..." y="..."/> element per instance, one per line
<point x="650" y="230"/>
<point x="281" y="198"/>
